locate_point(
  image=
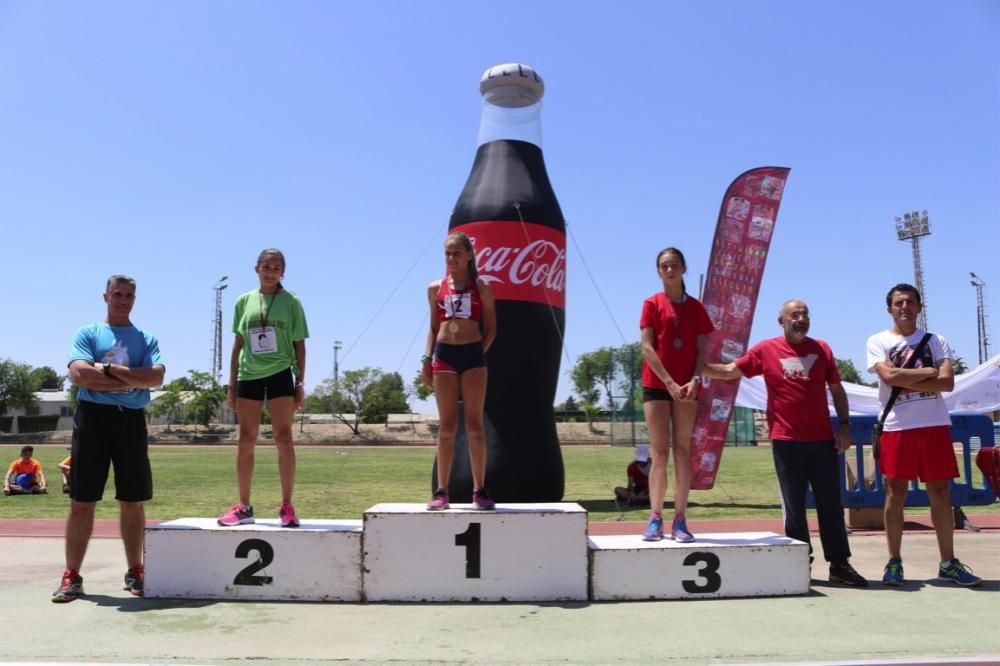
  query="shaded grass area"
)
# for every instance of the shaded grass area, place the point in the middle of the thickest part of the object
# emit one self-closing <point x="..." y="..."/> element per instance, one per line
<point x="341" y="482"/>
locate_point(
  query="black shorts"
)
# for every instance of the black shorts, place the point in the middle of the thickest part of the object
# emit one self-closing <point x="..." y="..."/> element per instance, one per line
<point x="649" y="394"/>
<point x="458" y="358"/>
<point x="280" y="385"/>
<point x="105" y="435"/>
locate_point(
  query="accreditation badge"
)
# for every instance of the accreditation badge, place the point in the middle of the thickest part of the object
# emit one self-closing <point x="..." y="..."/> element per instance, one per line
<point x="263" y="340"/>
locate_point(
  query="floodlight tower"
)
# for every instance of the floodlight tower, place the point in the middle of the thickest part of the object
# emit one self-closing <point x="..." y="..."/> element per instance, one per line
<point x="337" y="345"/>
<point x="984" y="334"/>
<point x="217" y="330"/>
<point x="911" y="227"/>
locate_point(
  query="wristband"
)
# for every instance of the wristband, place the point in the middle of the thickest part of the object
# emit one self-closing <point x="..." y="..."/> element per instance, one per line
<point x="426" y="358"/>
<point x="844" y="421"/>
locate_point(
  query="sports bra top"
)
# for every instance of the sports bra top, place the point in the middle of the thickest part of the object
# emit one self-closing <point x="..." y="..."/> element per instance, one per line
<point x="462" y="304"/>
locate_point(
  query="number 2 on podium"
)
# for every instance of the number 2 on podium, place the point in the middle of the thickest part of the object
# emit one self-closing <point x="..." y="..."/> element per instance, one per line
<point x="470" y="538"/>
<point x="265" y="555"/>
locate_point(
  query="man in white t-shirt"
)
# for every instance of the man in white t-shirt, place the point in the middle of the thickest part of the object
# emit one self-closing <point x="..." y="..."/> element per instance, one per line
<point x="916" y="442"/>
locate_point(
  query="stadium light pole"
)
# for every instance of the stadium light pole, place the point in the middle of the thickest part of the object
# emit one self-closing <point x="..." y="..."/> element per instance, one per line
<point x="337" y="345"/>
<point x="217" y="330"/>
<point x="912" y="227"/>
<point x="984" y="336"/>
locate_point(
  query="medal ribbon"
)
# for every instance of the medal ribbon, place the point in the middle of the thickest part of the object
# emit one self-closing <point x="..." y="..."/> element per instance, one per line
<point x="264" y="315"/>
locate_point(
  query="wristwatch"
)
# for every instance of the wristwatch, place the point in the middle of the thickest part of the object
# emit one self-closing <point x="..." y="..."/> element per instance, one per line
<point x="107" y="369"/>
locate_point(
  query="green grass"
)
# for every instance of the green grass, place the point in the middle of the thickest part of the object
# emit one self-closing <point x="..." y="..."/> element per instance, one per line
<point x="341" y="482"/>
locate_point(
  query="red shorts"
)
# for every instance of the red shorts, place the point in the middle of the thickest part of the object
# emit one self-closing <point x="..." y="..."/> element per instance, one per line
<point x="921" y="453"/>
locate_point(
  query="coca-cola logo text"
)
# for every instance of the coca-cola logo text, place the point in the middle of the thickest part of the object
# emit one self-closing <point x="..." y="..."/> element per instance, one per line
<point x="521" y="263"/>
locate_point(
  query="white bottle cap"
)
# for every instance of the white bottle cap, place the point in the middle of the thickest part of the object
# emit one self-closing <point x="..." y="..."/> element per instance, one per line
<point x="511" y="85"/>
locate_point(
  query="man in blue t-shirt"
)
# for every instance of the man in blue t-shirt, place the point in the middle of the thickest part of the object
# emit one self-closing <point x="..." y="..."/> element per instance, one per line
<point x="114" y="363"/>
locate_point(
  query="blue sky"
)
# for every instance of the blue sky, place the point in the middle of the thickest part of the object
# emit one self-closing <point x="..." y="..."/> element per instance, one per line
<point x="173" y="141"/>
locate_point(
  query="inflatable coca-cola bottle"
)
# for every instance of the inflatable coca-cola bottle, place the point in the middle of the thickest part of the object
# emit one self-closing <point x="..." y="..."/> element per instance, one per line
<point x="509" y="210"/>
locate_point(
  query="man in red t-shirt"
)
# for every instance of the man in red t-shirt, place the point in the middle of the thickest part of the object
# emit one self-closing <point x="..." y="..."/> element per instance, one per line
<point x="637" y="492"/>
<point x="797" y="370"/>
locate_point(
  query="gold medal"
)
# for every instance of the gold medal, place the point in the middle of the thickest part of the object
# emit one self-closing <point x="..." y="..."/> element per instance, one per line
<point x="453" y="327"/>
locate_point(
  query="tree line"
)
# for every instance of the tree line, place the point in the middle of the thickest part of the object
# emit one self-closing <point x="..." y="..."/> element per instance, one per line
<point x="19" y="382"/>
<point x="369" y="395"/>
<point x="604" y="374"/>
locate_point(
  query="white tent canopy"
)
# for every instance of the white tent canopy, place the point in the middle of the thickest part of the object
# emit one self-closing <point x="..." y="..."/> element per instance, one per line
<point x="975" y="391"/>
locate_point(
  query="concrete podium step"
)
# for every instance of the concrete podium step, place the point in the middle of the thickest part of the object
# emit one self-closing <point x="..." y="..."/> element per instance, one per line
<point x="738" y="564"/>
<point x="519" y="552"/>
<point x="195" y="558"/>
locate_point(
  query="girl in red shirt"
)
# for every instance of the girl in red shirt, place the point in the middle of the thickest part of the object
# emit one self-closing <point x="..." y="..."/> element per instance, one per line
<point x="463" y="326"/>
<point x="675" y="328"/>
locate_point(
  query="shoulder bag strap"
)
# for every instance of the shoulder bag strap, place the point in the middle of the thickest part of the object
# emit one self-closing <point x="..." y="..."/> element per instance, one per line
<point x="896" y="390"/>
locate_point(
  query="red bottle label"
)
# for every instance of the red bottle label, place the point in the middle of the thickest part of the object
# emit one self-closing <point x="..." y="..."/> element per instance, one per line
<point x="522" y="262"/>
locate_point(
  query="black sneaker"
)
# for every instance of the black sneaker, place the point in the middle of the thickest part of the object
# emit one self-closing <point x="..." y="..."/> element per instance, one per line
<point x="845" y="573"/>
<point x="134" y="579"/>
<point x="69" y="588"/>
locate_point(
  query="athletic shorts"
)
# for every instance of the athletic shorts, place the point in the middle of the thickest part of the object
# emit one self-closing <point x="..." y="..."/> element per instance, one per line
<point x="921" y="453"/>
<point x="105" y="435"/>
<point x="456" y="359"/>
<point x="280" y="385"/>
<point x="650" y="394"/>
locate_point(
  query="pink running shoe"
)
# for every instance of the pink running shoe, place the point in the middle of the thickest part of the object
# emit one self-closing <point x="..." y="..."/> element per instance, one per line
<point x="440" y="500"/>
<point x="287" y="515"/>
<point x="237" y="514"/>
<point x="482" y="501"/>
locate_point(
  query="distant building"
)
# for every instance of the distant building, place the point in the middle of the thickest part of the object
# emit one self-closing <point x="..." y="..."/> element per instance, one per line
<point x="52" y="402"/>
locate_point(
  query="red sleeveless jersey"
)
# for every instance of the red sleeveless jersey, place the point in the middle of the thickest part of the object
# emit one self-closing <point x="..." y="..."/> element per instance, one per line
<point x="463" y="304"/>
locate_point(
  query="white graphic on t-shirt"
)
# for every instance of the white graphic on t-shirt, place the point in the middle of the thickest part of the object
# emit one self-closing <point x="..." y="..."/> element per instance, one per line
<point x="798" y="367"/>
<point x="117" y="354"/>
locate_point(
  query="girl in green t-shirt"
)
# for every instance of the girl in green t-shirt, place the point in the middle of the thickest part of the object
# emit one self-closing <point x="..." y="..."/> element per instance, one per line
<point x="268" y="363"/>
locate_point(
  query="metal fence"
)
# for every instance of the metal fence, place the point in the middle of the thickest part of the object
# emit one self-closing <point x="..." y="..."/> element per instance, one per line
<point x="628" y="423"/>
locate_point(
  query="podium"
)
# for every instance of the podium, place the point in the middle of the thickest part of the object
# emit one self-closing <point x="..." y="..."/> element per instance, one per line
<point x="195" y="558"/>
<point x="518" y="552"/>
<point x="739" y="564"/>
